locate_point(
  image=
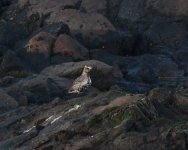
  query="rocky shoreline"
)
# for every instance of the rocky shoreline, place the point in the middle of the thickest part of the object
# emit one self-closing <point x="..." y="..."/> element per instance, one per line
<point x="139" y="94"/>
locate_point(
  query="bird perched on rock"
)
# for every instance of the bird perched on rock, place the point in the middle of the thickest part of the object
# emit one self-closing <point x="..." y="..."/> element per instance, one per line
<point x="83" y="82"/>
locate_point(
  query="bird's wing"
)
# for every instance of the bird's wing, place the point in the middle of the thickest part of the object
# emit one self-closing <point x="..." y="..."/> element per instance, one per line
<point x="78" y="80"/>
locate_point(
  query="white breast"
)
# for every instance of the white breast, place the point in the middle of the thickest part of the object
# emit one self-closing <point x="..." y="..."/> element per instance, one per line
<point x="89" y="80"/>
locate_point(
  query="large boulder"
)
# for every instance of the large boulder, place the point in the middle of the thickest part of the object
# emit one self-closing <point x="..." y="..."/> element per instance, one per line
<point x="39" y="89"/>
<point x="32" y="14"/>
<point x="89" y="29"/>
<point x="41" y="43"/>
<point x="38" y="51"/>
<point x="67" y="46"/>
<point x="101" y="74"/>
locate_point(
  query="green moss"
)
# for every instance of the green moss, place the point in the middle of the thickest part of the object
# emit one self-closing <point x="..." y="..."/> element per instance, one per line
<point x="115" y="116"/>
<point x="142" y="111"/>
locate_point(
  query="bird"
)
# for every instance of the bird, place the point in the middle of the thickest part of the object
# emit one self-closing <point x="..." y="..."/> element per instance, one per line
<point x="82" y="82"/>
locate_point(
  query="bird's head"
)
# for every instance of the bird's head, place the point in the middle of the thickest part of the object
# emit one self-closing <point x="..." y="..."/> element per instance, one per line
<point x="87" y="69"/>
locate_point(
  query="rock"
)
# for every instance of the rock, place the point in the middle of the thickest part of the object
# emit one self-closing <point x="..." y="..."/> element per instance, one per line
<point x="15" y="141"/>
<point x="176" y="136"/>
<point x="113" y="9"/>
<point x="3" y="50"/>
<point x="87" y="28"/>
<point x="67" y="46"/>
<point x="44" y="89"/>
<point x="58" y="59"/>
<point x="181" y="58"/>
<point x="117" y="72"/>
<point x="181" y="102"/>
<point x="119" y="101"/>
<point x="7" y="102"/>
<point x="51" y="6"/>
<point x="10" y="34"/>
<point x="131" y="11"/>
<point x="7" y="80"/>
<point x="5" y="3"/>
<point x="122" y="109"/>
<point x="155" y="22"/>
<point x="94" y="6"/>
<point x="41" y="43"/>
<point x="149" y="68"/>
<point x="101" y="74"/>
<point x="120" y="42"/>
<point x="163" y="37"/>
<point x="162" y="95"/>
<point x="125" y="100"/>
<point x="22" y="3"/>
<point x="169" y="7"/>
<point x="38" y="52"/>
<point x="39" y="89"/>
<point x="105" y="56"/>
<point x="12" y="65"/>
<point x="54" y="29"/>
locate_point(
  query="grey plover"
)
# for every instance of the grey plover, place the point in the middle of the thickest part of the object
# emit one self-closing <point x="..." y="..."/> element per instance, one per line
<point x="83" y="82"/>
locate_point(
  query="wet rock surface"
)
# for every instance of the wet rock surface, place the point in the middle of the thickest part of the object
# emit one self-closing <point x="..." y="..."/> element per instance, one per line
<point x="139" y="58"/>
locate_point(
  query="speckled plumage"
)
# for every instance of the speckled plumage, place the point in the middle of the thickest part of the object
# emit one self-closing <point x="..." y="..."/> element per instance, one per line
<point x="83" y="82"/>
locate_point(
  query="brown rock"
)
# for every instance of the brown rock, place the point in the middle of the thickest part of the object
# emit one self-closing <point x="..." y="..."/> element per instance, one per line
<point x="67" y="46"/>
<point x="40" y="43"/>
<point x="101" y="74"/>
